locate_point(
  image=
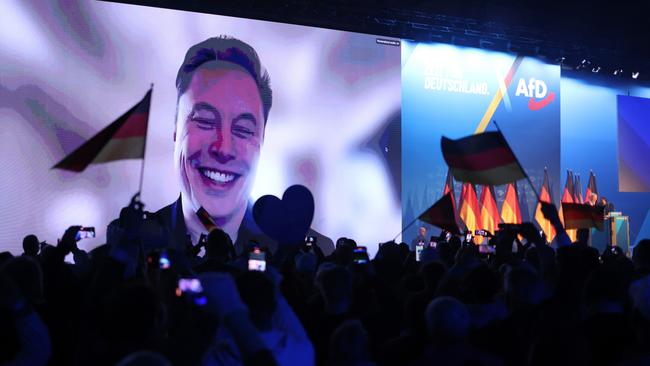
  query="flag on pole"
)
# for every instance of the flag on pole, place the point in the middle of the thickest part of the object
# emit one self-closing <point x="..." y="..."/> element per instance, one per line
<point x="442" y="214"/>
<point x="483" y="158"/>
<point x="123" y="139"/>
<point x="489" y="211"/>
<point x="449" y="187"/>
<point x="577" y="190"/>
<point x="545" y="196"/>
<point x="523" y="202"/>
<point x="510" y="210"/>
<point x="567" y="194"/>
<point x="469" y="211"/>
<point x="581" y="216"/>
<point x="591" y="186"/>
<point x="567" y="197"/>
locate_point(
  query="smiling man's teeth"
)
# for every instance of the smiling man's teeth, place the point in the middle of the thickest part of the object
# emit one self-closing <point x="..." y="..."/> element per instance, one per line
<point x="217" y="176"/>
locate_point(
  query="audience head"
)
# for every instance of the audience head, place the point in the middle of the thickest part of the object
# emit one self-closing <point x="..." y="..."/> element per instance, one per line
<point x="582" y="236"/>
<point x="446" y="253"/>
<point x="335" y="286"/>
<point x="432" y="274"/>
<point x="605" y="285"/>
<point x="447" y="320"/>
<point x="133" y="315"/>
<point x="31" y="245"/>
<point x="523" y="286"/>
<point x="5" y="256"/>
<point x="641" y="256"/>
<point x="480" y="285"/>
<point x="640" y="294"/>
<point x="388" y="252"/>
<point x="349" y="344"/>
<point x="257" y="291"/>
<point x="26" y="273"/>
<point x="306" y="263"/>
<point x="218" y="245"/>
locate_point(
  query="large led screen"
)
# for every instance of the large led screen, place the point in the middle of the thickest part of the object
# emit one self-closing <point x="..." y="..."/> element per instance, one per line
<point x="68" y="69"/>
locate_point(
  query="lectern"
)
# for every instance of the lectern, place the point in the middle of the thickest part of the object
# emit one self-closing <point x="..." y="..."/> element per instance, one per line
<point x="617" y="231"/>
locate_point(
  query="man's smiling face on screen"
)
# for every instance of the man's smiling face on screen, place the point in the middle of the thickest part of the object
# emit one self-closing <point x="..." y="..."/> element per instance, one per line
<point x="218" y="135"/>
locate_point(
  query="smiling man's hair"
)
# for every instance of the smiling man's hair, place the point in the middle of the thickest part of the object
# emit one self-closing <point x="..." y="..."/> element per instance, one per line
<point x="228" y="50"/>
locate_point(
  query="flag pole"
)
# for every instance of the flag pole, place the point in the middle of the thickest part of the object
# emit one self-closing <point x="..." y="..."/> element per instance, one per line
<point x="144" y="147"/>
<point x="517" y="160"/>
<point x="406" y="227"/>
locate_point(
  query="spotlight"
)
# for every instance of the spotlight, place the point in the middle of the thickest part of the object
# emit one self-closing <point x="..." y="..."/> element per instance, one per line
<point x="618" y="71"/>
<point x="560" y="60"/>
<point x="596" y="69"/>
<point x="635" y="75"/>
<point x="583" y="64"/>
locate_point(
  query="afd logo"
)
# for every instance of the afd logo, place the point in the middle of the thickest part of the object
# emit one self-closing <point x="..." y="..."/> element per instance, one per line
<point x="537" y="91"/>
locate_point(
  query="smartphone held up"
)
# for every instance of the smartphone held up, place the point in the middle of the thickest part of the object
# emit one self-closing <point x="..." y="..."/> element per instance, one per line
<point x="257" y="260"/>
<point x="85" y="233"/>
<point x="360" y="255"/>
<point x="191" y="289"/>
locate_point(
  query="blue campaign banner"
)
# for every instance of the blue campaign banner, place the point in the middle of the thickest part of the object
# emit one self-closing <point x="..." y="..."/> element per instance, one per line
<point x="454" y="92"/>
<point x="633" y="144"/>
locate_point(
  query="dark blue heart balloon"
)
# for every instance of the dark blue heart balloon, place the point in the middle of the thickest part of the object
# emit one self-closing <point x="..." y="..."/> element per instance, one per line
<point x="285" y="220"/>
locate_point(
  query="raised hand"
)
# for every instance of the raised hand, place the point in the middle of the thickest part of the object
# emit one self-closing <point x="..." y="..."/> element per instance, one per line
<point x="530" y="232"/>
<point x="550" y="212"/>
<point x="68" y="242"/>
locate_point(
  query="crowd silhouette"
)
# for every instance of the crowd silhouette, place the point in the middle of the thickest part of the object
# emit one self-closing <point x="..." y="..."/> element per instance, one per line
<point x="134" y="301"/>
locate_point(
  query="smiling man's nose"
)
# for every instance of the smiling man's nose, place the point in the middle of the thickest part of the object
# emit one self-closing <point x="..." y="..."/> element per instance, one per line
<point x="222" y="148"/>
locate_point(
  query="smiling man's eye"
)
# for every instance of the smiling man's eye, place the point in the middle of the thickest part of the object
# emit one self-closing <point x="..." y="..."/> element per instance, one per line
<point x="244" y="125"/>
<point x="243" y="132"/>
<point x="204" y="123"/>
<point x="205" y="118"/>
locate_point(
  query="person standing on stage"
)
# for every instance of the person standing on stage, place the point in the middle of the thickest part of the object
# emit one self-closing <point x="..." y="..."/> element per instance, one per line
<point x="592" y="199"/>
<point x="421" y="238"/>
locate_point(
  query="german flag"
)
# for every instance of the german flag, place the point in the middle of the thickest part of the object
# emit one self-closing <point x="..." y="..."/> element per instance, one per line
<point x="567" y="197"/>
<point x="591" y="186"/>
<point x="577" y="190"/>
<point x="484" y="158"/>
<point x="469" y="211"/>
<point x="123" y="139"/>
<point x="581" y="216"/>
<point x="442" y="214"/>
<point x="545" y="196"/>
<point x="510" y="210"/>
<point x="449" y="187"/>
<point x="489" y="212"/>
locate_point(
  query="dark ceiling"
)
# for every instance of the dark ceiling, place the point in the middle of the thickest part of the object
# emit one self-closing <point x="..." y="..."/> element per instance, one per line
<point x="613" y="36"/>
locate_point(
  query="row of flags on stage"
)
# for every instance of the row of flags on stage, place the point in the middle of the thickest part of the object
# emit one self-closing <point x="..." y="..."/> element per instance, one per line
<point x="581" y="213"/>
<point x="487" y="160"/>
<point x="474" y="212"/>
